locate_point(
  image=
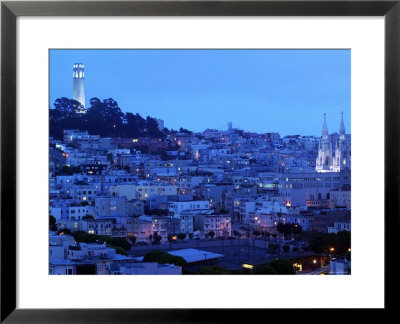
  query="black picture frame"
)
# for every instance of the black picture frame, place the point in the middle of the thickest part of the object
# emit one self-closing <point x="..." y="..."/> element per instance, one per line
<point x="10" y="10"/>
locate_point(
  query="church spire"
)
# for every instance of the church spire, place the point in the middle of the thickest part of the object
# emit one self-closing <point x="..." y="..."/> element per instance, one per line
<point x="325" y="129"/>
<point x="342" y="131"/>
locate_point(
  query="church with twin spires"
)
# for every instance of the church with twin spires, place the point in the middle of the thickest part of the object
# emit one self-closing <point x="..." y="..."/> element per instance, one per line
<point x="329" y="160"/>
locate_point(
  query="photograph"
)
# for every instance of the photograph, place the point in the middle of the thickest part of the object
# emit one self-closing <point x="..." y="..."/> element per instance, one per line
<point x="199" y="161"/>
<point x="189" y="146"/>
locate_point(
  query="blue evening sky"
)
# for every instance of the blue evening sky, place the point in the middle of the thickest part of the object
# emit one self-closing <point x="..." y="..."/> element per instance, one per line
<point x="285" y="91"/>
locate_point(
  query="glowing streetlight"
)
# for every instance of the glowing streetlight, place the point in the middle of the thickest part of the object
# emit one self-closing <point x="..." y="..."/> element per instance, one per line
<point x="247" y="266"/>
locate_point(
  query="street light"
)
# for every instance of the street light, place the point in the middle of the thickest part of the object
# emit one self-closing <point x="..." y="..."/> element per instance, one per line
<point x="330" y="255"/>
<point x="314" y="264"/>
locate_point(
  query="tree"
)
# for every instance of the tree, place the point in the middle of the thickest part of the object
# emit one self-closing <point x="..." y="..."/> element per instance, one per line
<point x="132" y="238"/>
<point x="322" y="242"/>
<point x="153" y="256"/>
<point x="282" y="266"/>
<point x="52" y="220"/>
<point x="211" y="234"/>
<point x="236" y="233"/>
<point x="181" y="236"/>
<point x="288" y="228"/>
<point x="164" y="258"/>
<point x="103" y="117"/>
<point x="156" y="238"/>
<point x="282" y="228"/>
<point x="256" y="233"/>
<point x="65" y="115"/>
<point x="118" y="249"/>
<point x="152" y="128"/>
<point x="118" y="241"/>
<point x="296" y="229"/>
<point x="52" y="223"/>
<point x="65" y="107"/>
<point x="183" y="130"/>
<point x="82" y="236"/>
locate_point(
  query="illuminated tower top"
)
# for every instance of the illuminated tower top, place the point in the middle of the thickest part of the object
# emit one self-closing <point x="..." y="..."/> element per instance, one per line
<point x="78" y="71"/>
<point x="78" y="77"/>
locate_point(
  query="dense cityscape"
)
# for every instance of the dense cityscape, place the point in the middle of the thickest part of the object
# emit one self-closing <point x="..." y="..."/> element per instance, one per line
<point x="130" y="196"/>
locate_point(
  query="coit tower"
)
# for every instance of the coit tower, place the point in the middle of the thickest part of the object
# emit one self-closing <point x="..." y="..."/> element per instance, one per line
<point x="79" y="83"/>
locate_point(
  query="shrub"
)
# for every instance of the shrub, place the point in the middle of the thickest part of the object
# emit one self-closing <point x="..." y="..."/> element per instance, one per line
<point x="282" y="266"/>
<point x="119" y="241"/>
<point x="81" y="236"/>
<point x="264" y="269"/>
<point x="118" y="249"/>
<point x="181" y="236"/>
<point x="214" y="270"/>
<point x="152" y="256"/>
<point x="163" y="258"/>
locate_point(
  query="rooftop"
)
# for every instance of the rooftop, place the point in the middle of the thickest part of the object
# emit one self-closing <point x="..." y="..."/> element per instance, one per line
<point x="194" y="255"/>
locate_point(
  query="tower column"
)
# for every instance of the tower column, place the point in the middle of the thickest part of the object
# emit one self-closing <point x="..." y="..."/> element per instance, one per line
<point x="78" y="77"/>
